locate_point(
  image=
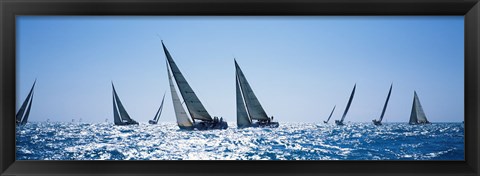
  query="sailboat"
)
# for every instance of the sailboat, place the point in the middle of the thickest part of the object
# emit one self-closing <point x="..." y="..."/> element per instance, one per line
<point x="120" y="115"/>
<point x="200" y="118"/>
<point x="418" y="115"/>
<point x="248" y="106"/>
<point x="159" y="112"/>
<point x="21" y="117"/>
<point x="379" y="122"/>
<point x="340" y="122"/>
<point x="330" y="116"/>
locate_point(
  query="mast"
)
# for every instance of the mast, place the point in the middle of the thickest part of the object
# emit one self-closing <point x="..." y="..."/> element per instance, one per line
<point x="386" y="102"/>
<point x="349" y="103"/>
<point x="193" y="104"/>
<point x="254" y="108"/>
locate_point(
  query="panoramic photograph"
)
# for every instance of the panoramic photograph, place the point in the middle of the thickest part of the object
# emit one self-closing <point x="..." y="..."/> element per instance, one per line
<point x="240" y="88"/>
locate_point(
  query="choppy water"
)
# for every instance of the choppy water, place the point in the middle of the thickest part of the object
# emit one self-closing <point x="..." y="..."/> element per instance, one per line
<point x="291" y="141"/>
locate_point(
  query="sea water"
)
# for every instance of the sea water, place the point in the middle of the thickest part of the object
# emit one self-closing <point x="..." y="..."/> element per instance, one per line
<point x="290" y="141"/>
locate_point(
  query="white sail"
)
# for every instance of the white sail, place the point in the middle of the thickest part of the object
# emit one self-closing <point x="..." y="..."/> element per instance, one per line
<point x="24" y="111"/>
<point x="386" y="103"/>
<point x="330" y="116"/>
<point x="27" y="113"/>
<point x="349" y="103"/>
<point x="116" y="116"/>
<point x="194" y="106"/>
<point x="417" y="115"/>
<point x="159" y="112"/>
<point x="242" y="116"/>
<point x="180" y="114"/>
<point x="123" y="113"/>
<point x="254" y="107"/>
<point x="124" y="117"/>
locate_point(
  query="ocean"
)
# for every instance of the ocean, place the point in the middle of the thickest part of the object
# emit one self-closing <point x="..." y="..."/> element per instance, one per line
<point x="290" y="141"/>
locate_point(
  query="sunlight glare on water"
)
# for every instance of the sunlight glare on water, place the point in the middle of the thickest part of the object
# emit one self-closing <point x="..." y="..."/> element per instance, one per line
<point x="290" y="141"/>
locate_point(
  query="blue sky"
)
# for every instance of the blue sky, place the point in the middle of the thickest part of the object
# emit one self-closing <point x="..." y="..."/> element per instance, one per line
<point x="299" y="67"/>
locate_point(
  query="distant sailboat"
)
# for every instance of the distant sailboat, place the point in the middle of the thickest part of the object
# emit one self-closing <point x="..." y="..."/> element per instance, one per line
<point x="159" y="113"/>
<point x="21" y="117"/>
<point x="120" y="115"/>
<point x="379" y="122"/>
<point x="340" y="122"/>
<point x="195" y="108"/>
<point x="248" y="106"/>
<point x="417" y="116"/>
<point x="330" y="116"/>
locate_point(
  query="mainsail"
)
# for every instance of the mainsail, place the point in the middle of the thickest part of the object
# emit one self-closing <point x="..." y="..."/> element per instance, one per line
<point x="349" y="103"/>
<point x="254" y="108"/>
<point x="120" y="115"/>
<point x="116" y="116"/>
<point x="242" y="117"/>
<point x="331" y="114"/>
<point x="24" y="111"/>
<point x="386" y="103"/>
<point x="159" y="112"/>
<point x="180" y="114"/>
<point x="417" y="116"/>
<point x="194" y="106"/>
<point x="27" y="113"/>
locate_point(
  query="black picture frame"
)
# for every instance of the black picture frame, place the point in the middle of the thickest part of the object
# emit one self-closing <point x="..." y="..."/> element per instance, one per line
<point x="9" y="9"/>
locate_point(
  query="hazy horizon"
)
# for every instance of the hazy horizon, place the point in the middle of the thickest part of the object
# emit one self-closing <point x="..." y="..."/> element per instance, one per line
<point x="298" y="67"/>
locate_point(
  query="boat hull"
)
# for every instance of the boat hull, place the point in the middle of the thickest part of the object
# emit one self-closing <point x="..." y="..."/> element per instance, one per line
<point x="126" y="123"/>
<point x="262" y="125"/>
<point x="266" y="125"/>
<point x="420" y="123"/>
<point x="375" y="122"/>
<point x="338" y="122"/>
<point x="188" y="128"/>
<point x="206" y="125"/>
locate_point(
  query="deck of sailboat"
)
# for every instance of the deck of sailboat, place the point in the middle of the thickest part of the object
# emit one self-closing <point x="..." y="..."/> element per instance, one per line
<point x="266" y="125"/>
<point x="209" y="125"/>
